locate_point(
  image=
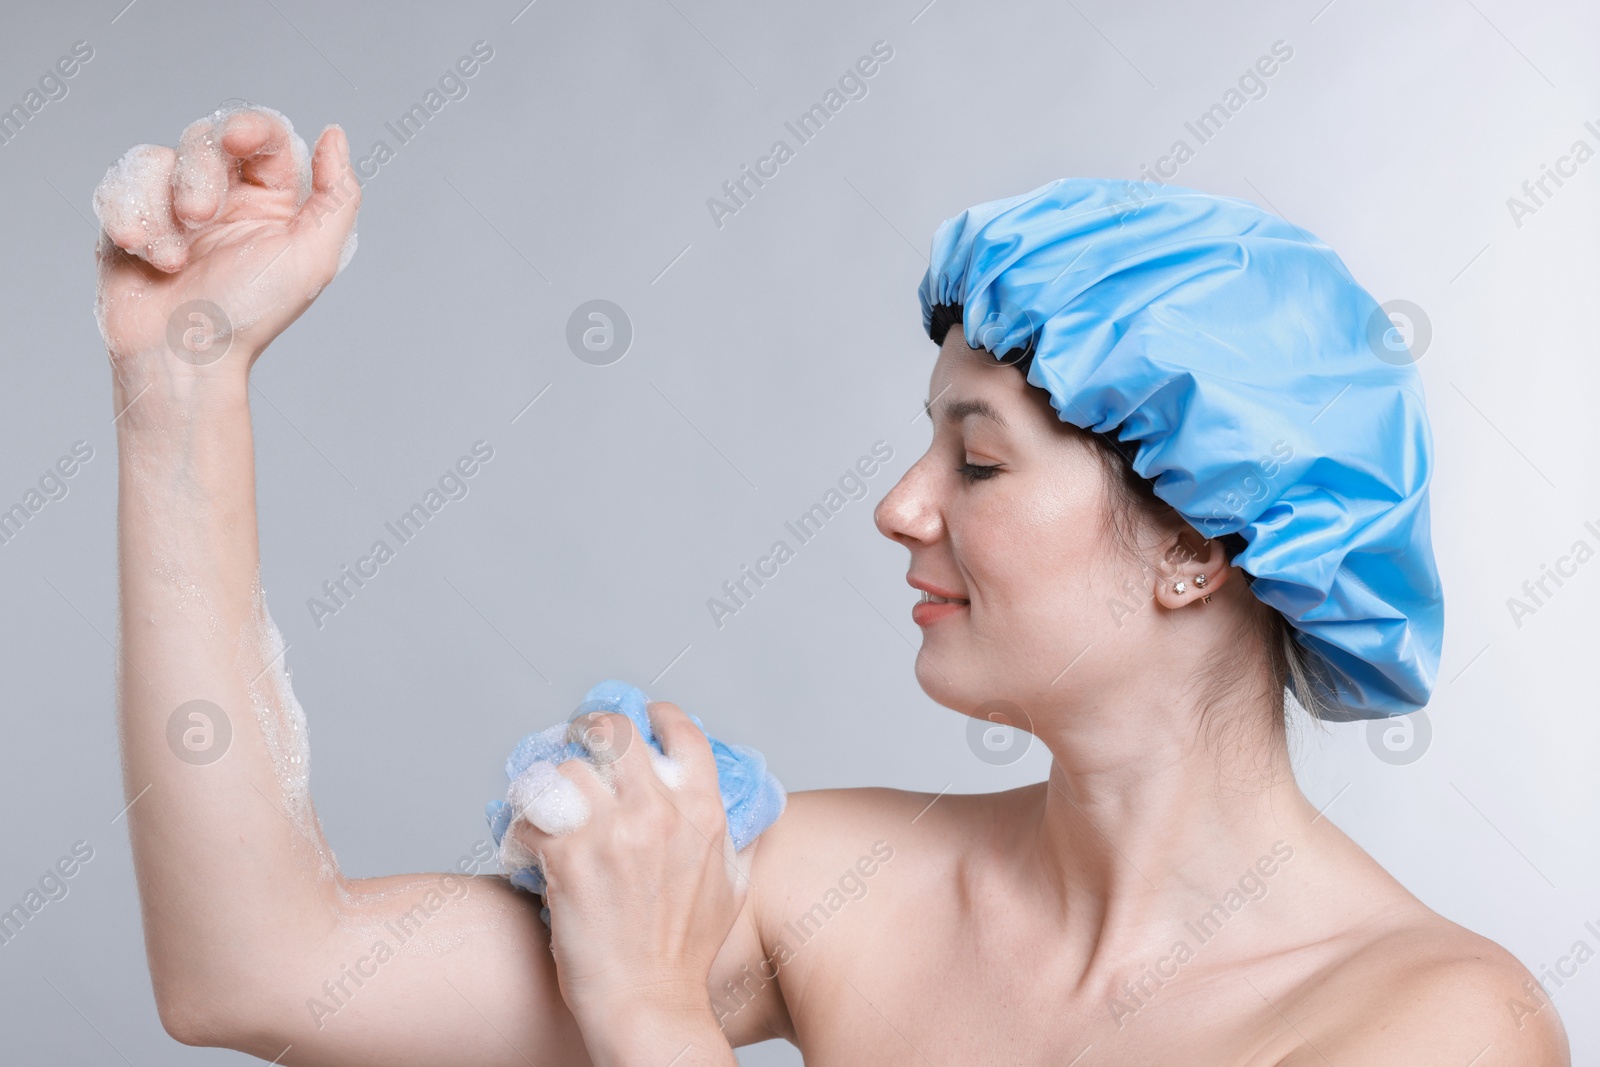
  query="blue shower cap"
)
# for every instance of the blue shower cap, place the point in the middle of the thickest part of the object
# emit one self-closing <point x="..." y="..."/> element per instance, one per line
<point x="1247" y="375"/>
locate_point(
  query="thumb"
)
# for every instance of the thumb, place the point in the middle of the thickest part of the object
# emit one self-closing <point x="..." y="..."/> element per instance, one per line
<point x="328" y="217"/>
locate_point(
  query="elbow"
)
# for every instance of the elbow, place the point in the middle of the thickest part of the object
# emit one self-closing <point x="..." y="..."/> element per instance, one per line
<point x="192" y="1016"/>
<point x="191" y="1024"/>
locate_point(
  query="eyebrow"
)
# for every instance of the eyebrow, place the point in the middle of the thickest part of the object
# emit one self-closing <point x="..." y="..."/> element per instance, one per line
<point x="957" y="410"/>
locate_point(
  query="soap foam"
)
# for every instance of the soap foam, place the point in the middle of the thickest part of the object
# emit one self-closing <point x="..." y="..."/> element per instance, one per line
<point x="139" y="189"/>
<point x="547" y="799"/>
<point x="542" y="797"/>
<point x="671" y="772"/>
<point x="347" y="252"/>
<point x="135" y="200"/>
<point x="131" y="197"/>
<point x="208" y="131"/>
<point x="195" y="175"/>
<point x="737" y="864"/>
<point x="282" y="722"/>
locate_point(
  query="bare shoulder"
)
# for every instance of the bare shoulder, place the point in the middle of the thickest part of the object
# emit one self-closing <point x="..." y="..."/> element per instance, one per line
<point x="1427" y="991"/>
<point x="823" y="831"/>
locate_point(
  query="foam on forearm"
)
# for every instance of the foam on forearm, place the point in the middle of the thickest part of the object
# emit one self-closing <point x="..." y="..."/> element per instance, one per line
<point x="282" y="722"/>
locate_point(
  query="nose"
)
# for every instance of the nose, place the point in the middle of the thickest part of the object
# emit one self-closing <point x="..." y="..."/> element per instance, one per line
<point x="909" y="513"/>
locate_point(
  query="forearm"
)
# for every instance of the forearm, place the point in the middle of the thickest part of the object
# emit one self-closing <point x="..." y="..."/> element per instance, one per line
<point x="229" y="856"/>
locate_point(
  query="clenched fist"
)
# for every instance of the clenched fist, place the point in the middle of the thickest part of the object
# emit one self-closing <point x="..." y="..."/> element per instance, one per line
<point x="211" y="249"/>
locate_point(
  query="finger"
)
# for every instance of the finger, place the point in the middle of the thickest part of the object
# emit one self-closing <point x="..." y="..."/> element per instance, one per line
<point x="327" y="220"/>
<point x="134" y="204"/>
<point x="109" y="256"/>
<point x="552" y="802"/>
<point x="271" y="153"/>
<point x="590" y="783"/>
<point x="617" y="752"/>
<point x="688" y="758"/>
<point x="200" y="179"/>
<point x="544" y="798"/>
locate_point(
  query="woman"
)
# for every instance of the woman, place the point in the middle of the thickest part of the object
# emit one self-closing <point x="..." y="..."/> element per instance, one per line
<point x="1166" y="896"/>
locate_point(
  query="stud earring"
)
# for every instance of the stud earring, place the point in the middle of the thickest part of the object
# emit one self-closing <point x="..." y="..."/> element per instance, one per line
<point x="1180" y="588"/>
<point x="1200" y="581"/>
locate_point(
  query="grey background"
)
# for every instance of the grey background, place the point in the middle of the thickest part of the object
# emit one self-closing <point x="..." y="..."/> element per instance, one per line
<point x="768" y="355"/>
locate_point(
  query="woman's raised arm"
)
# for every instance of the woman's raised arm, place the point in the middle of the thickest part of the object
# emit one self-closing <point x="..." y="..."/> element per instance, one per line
<point x="255" y="939"/>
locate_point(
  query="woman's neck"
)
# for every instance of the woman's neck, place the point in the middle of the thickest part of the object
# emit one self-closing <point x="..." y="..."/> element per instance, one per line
<point x="1143" y="828"/>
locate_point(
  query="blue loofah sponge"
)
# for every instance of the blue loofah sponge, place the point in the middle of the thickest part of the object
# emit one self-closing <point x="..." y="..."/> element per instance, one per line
<point x="752" y="798"/>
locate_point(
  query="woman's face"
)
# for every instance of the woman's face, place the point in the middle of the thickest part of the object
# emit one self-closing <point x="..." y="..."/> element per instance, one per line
<point x="1006" y="511"/>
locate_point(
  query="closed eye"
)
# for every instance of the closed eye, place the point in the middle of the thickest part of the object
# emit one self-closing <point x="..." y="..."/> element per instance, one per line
<point x="977" y="472"/>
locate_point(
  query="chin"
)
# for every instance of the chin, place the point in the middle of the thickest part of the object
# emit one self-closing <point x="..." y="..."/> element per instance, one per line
<point x="942" y="686"/>
<point x="959" y="690"/>
<point x="980" y="683"/>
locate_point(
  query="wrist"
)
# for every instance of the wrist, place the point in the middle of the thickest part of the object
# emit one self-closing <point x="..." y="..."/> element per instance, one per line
<point x="157" y="388"/>
<point x="654" y="1031"/>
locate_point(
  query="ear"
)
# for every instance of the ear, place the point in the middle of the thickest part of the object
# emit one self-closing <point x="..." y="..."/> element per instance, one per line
<point x="1189" y="558"/>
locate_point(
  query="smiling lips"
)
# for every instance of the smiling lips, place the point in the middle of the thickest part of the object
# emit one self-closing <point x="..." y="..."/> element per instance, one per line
<point x="935" y="604"/>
